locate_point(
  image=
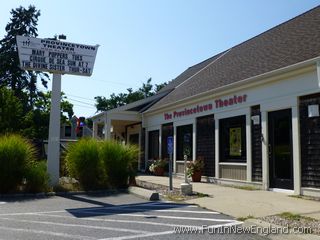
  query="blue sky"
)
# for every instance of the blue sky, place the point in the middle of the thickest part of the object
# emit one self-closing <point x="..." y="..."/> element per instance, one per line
<point x="149" y="38"/>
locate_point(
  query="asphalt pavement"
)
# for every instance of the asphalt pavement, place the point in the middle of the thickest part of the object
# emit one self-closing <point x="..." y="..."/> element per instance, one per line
<point x="120" y="216"/>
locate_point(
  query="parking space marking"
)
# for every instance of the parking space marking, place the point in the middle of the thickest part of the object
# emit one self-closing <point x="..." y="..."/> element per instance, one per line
<point x="179" y="211"/>
<point x="118" y="221"/>
<point x="169" y="232"/>
<point x="2" y="203"/>
<point x="30" y="213"/>
<point x="162" y="216"/>
<point x="99" y="208"/>
<point x="169" y="205"/>
<point x="77" y="225"/>
<point x="65" y="235"/>
<point x="139" y="236"/>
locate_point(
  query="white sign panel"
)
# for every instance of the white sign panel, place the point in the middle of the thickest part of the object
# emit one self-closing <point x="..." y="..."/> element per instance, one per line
<point x="313" y="111"/>
<point x="56" y="56"/>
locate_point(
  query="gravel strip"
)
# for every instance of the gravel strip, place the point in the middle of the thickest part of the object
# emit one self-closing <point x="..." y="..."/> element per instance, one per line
<point x="313" y="224"/>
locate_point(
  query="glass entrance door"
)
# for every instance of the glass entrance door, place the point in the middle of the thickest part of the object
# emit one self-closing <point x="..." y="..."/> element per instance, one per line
<point x="280" y="149"/>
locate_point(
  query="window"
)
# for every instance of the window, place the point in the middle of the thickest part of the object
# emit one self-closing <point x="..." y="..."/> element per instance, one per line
<point x="184" y="141"/>
<point x="232" y="138"/>
<point x="153" y="152"/>
<point x="67" y="131"/>
<point x="167" y="131"/>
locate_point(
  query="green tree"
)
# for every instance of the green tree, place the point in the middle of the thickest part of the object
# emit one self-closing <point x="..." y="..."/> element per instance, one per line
<point x="114" y="101"/>
<point x="24" y="22"/>
<point x="36" y="122"/>
<point x="10" y="111"/>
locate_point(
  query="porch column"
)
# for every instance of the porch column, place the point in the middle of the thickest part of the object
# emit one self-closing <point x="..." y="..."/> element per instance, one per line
<point x="296" y="151"/>
<point x="160" y="142"/>
<point x="174" y="148"/>
<point x="217" y="155"/>
<point x="194" y="139"/>
<point x="139" y="158"/>
<point x="146" y="149"/>
<point x="265" y="151"/>
<point x="248" y="143"/>
<point x="107" y="128"/>
<point x="94" y="130"/>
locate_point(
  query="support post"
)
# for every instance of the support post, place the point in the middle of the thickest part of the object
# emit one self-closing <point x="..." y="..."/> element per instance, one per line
<point x="296" y="151"/>
<point x="53" y="161"/>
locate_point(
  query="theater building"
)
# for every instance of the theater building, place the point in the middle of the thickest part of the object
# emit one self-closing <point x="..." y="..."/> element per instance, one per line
<point x="251" y="112"/>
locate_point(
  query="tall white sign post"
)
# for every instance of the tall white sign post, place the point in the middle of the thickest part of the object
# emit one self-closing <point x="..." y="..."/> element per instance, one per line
<point x="58" y="58"/>
<point x="53" y="161"/>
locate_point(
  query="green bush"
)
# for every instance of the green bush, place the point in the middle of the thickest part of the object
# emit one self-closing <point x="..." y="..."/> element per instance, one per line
<point x="101" y="164"/>
<point x="16" y="154"/>
<point x="84" y="164"/>
<point x="119" y="162"/>
<point x="37" y="178"/>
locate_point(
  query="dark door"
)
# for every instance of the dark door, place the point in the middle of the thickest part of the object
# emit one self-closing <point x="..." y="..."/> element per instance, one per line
<point x="280" y="149"/>
<point x="134" y="139"/>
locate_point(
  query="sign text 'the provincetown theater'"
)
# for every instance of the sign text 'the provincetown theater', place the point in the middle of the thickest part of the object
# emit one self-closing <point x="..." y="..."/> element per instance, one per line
<point x="219" y="103"/>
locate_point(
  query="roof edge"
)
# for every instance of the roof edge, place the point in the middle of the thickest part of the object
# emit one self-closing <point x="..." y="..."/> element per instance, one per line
<point x="241" y="82"/>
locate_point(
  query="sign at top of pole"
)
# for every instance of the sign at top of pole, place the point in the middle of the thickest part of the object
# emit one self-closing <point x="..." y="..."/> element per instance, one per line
<point x="55" y="56"/>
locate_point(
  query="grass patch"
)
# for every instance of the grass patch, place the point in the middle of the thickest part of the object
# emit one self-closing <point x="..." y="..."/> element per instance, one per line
<point x="242" y="219"/>
<point x="245" y="187"/>
<point x="200" y="195"/>
<point x="305" y="197"/>
<point x="294" y="217"/>
<point x="174" y="197"/>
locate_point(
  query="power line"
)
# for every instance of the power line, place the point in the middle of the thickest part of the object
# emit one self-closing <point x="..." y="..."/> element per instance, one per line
<point x="67" y="94"/>
<point x="78" y="105"/>
<point x="80" y="97"/>
<point x="80" y="101"/>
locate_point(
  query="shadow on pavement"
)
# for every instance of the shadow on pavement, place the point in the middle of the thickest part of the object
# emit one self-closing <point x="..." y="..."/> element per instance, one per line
<point x="106" y="209"/>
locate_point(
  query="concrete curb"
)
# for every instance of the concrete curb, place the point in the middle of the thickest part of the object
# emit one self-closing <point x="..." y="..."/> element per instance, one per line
<point x="144" y="193"/>
<point x="289" y="236"/>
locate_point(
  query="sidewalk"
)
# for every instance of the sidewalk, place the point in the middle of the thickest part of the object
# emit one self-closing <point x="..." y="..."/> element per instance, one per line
<point x="242" y="203"/>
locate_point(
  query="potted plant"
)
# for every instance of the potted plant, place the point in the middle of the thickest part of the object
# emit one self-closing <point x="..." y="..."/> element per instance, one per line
<point x="194" y="170"/>
<point x="157" y="167"/>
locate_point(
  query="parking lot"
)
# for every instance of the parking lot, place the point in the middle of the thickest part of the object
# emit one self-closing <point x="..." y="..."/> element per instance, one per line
<point x="121" y="216"/>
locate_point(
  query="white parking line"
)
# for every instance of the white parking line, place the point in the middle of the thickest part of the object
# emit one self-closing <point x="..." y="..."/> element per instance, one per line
<point x="140" y="236"/>
<point x="180" y="211"/>
<point x="116" y="220"/>
<point x="65" y="235"/>
<point x="170" y="232"/>
<point x="77" y="225"/>
<point x="161" y="216"/>
<point x="2" y="203"/>
<point x="30" y="213"/>
<point x="100" y="208"/>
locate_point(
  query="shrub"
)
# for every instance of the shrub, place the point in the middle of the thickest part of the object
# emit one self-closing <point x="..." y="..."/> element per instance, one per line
<point x="16" y="153"/>
<point x="37" y="178"/>
<point x="119" y="162"/>
<point x="84" y="164"/>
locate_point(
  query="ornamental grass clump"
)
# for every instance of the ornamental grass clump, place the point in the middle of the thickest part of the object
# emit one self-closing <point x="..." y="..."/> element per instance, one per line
<point x="119" y="162"/>
<point x="83" y="163"/>
<point x="37" y="178"/>
<point x="16" y="156"/>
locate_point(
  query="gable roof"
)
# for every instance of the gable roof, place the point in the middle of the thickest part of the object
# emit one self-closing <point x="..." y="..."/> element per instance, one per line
<point x="144" y="104"/>
<point x="291" y="42"/>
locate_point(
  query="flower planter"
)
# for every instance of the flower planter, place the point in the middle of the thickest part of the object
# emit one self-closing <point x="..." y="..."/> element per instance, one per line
<point x="196" y="176"/>
<point x="159" y="171"/>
